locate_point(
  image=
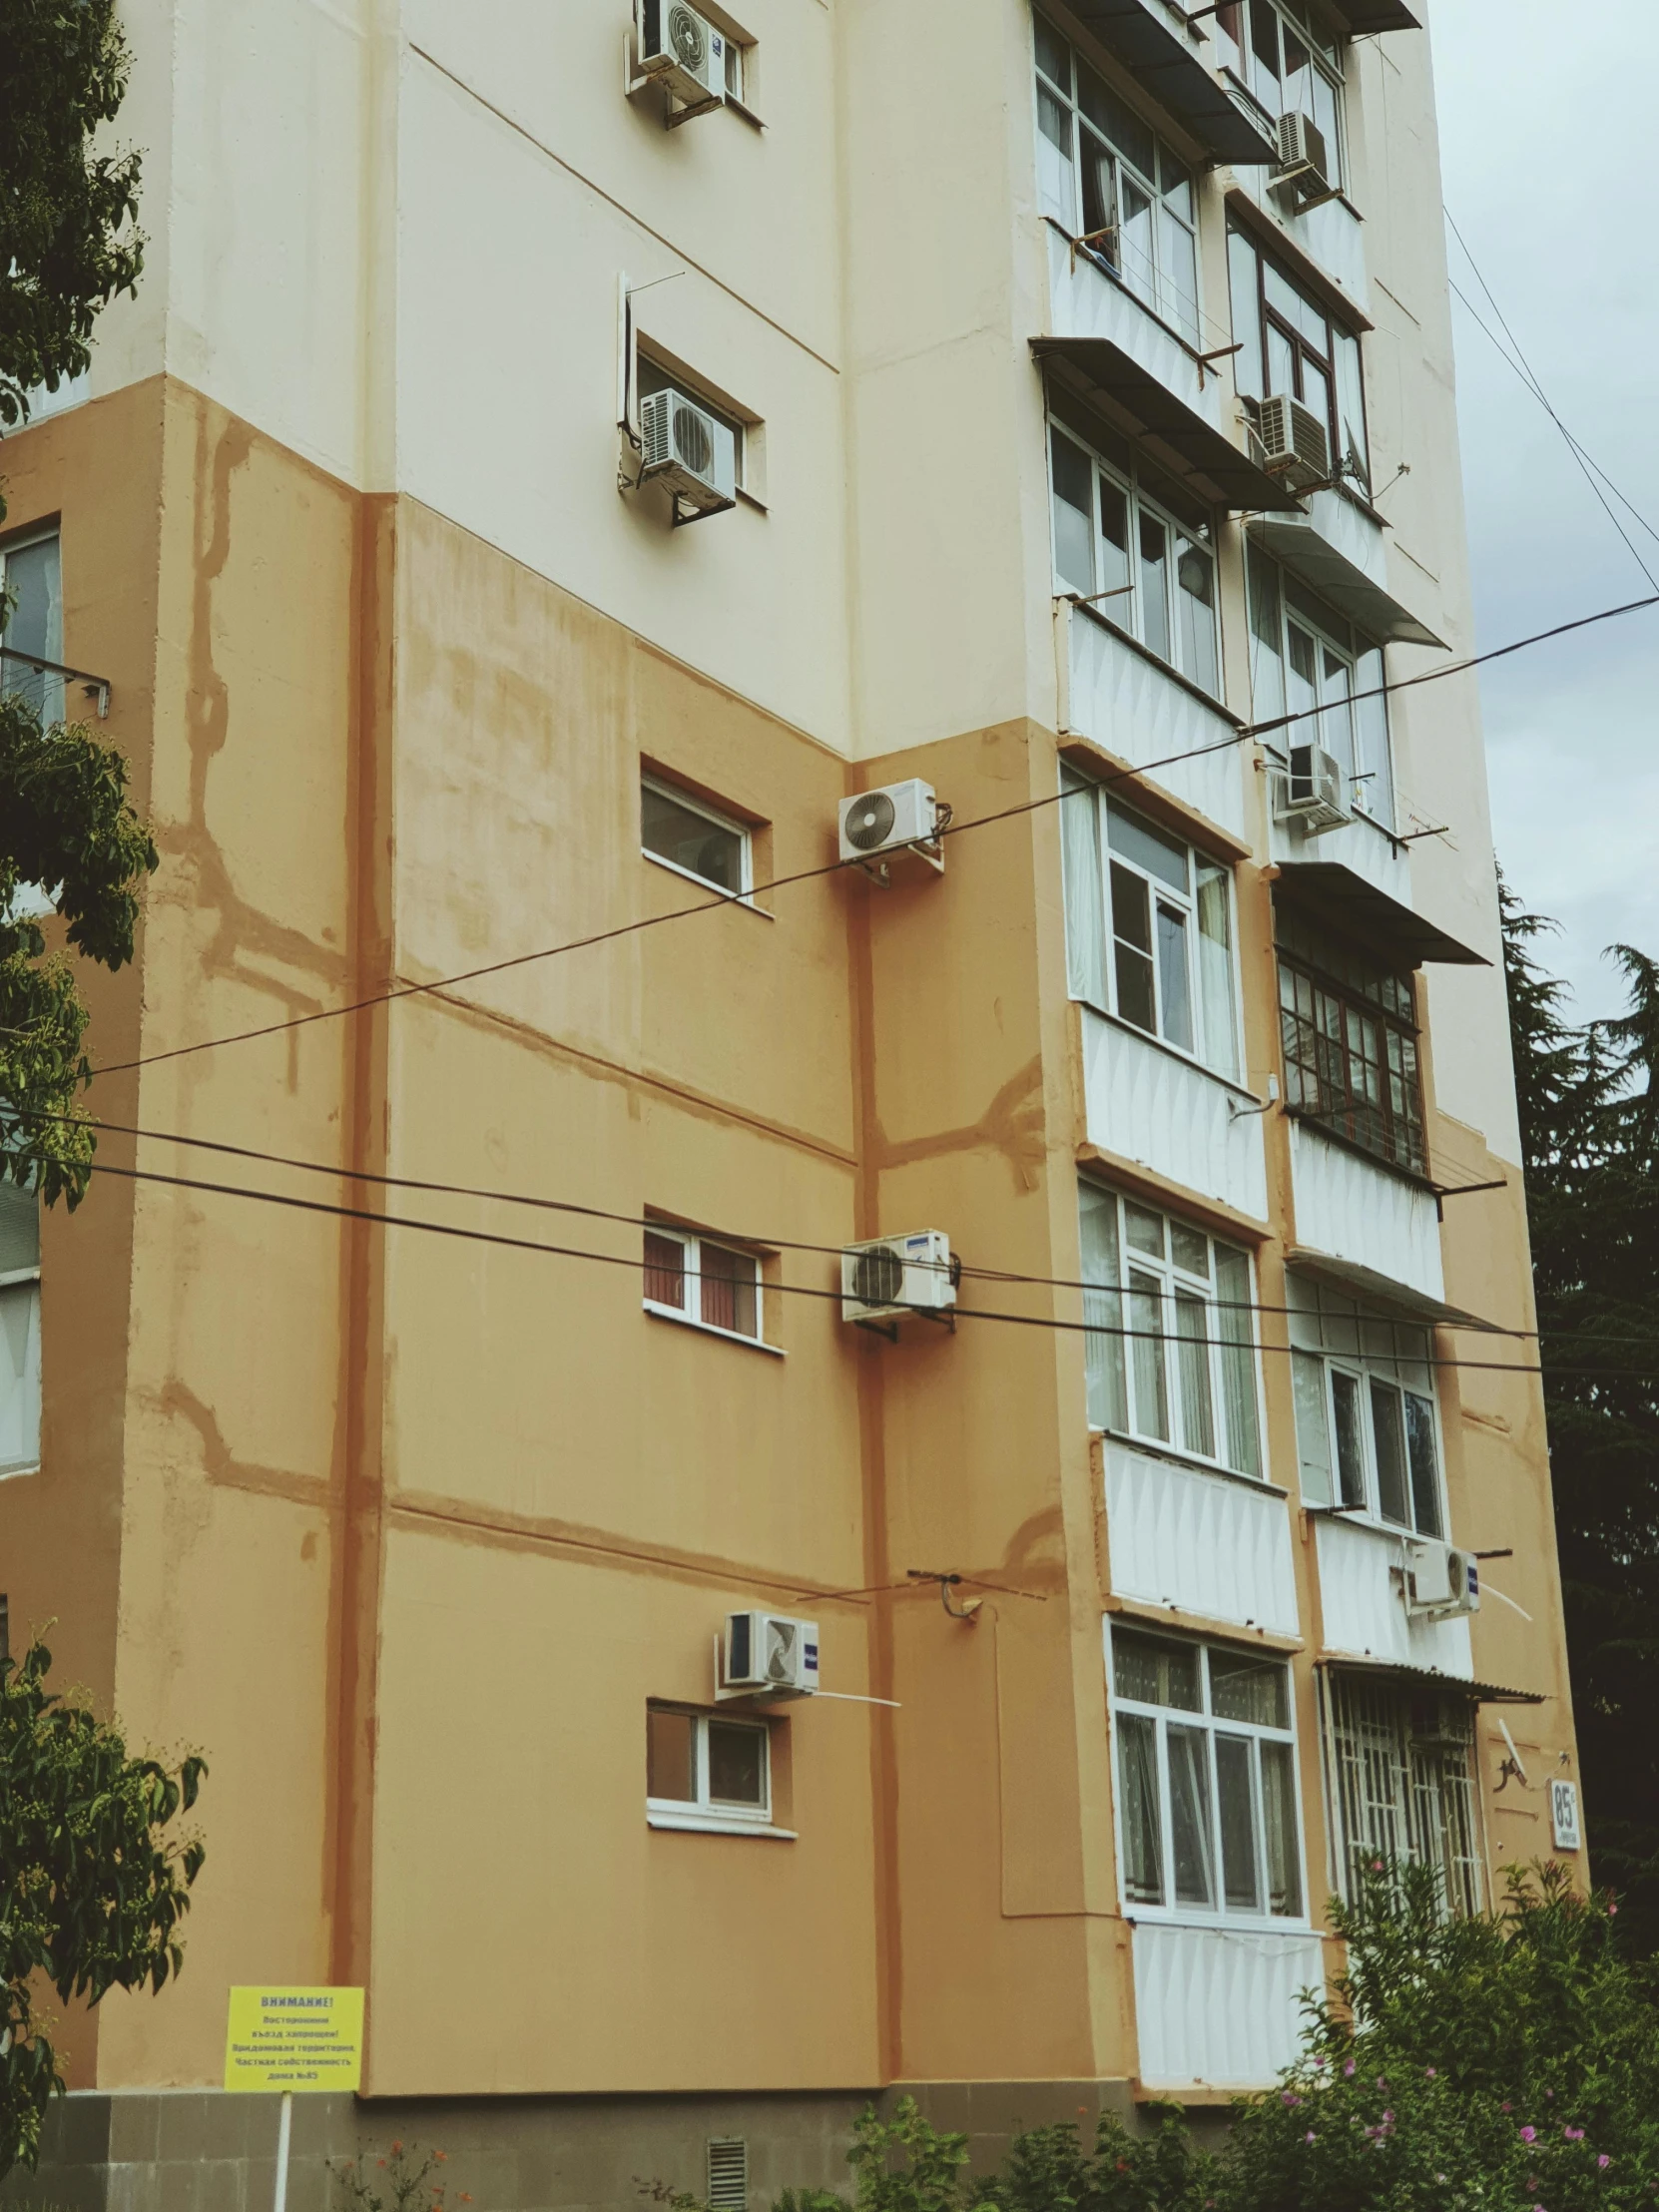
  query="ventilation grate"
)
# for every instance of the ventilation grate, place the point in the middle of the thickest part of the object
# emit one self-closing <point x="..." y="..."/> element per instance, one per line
<point x="728" y="2175"/>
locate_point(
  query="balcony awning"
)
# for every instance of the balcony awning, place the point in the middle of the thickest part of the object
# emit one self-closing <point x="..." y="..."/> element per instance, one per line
<point x="1169" y="65"/>
<point x="1381" y="1290"/>
<point x="1100" y="368"/>
<point x="1305" y="551"/>
<point x="1427" y="1677"/>
<point x="1362" y="16"/>
<point x="1357" y="905"/>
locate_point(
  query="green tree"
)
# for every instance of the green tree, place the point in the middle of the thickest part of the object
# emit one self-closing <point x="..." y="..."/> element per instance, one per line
<point x="96" y="1879"/>
<point x="1589" y="1117"/>
<point x="69" y="241"/>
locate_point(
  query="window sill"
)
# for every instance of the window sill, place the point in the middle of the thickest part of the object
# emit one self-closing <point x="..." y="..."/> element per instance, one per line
<point x="1160" y="1044"/>
<point x="1361" y="1516"/>
<point x="1150" y="1448"/>
<point x="19" y="1274"/>
<point x="1164" y="668"/>
<point x="23" y="1468"/>
<point x="749" y="499"/>
<point x="744" y="899"/>
<point x="708" y="1329"/>
<point x="693" y="1823"/>
<point x="738" y="107"/>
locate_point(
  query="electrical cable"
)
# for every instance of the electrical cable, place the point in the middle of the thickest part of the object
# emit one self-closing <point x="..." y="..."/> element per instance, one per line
<point x="835" y="867"/>
<point x="802" y="1290"/>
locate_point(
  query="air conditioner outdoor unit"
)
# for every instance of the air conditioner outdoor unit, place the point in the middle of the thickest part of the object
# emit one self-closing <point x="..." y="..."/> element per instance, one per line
<point x="683" y="50"/>
<point x="1303" y="159"/>
<point x="1440" y="1580"/>
<point x="687" y="449"/>
<point x="894" y="1277"/>
<point x="1314" y="790"/>
<point x="887" y="819"/>
<point x="1296" y="445"/>
<point x="768" y="1655"/>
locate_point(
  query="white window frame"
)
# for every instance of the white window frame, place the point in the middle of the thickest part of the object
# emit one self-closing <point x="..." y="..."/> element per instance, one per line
<point x="20" y="1288"/>
<point x="1140" y="1342"/>
<point x="1159" y="286"/>
<point x="677" y="793"/>
<point x="1211" y="1726"/>
<point x="1395" y="1791"/>
<point x="1352" y="729"/>
<point x="1211" y="972"/>
<point x="690" y="1316"/>
<point x="1325" y="50"/>
<point x="1127" y="607"/>
<point x="705" y="1815"/>
<point x="1334" y="1336"/>
<point x="13" y="673"/>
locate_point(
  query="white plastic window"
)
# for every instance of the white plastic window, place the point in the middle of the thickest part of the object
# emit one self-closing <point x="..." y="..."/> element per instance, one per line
<point x="1170" y="1351"/>
<point x="1306" y="661"/>
<point x="1365" y="1424"/>
<point x="708" y="1764"/>
<point x="19" y="1330"/>
<point x="31" y="581"/>
<point x="1209" y="1824"/>
<point x="690" y="836"/>
<point x="694" y="1278"/>
<point x="1289" y="344"/>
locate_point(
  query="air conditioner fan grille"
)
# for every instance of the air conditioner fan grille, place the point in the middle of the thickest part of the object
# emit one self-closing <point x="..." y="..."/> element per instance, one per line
<point x="879" y="1276"/>
<point x="689" y="39"/>
<point x="691" y="437"/>
<point x="871" y="823"/>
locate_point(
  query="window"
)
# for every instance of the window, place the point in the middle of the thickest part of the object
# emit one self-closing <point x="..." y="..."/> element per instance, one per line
<point x="1403" y="1784"/>
<point x="691" y="838"/>
<point x="1306" y="661"/>
<point x="1291" y="63"/>
<point x="1149" y="928"/>
<point x="1175" y="1360"/>
<point x="1105" y="178"/>
<point x="31" y="579"/>
<point x="1206" y="1780"/>
<point x="694" y="1278"/>
<point x="19" y="1330"/>
<point x="1347" y="1025"/>
<point x="706" y="1769"/>
<point x="1150" y="574"/>
<point x="1365" y="1410"/>
<point x="1289" y="344"/>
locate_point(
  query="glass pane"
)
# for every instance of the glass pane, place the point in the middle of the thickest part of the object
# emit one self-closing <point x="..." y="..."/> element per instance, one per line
<point x="1237" y="1359"/>
<point x="1244" y="271"/>
<point x="665" y="1270"/>
<point x="1142" y="1838"/>
<point x="1196" y="609"/>
<point x="1264" y="36"/>
<point x="1155" y="586"/>
<point x="670" y="1756"/>
<point x="1125" y="129"/>
<point x="1316" y="393"/>
<point x="1073" y="506"/>
<point x="33" y="580"/>
<point x="1190" y="1250"/>
<point x="19" y="1228"/>
<point x="1152" y="1670"/>
<point x="727" y="1290"/>
<point x="1313" y="1428"/>
<point x="1246" y="1687"/>
<point x="1053" y="55"/>
<point x="1323" y="94"/>
<point x="1114" y="546"/>
<point x="1102" y="1309"/>
<point x="1220" y="1045"/>
<point x="1279" y="1823"/>
<point x="1135" y="247"/>
<point x="1280" y="361"/>
<point x="1135" y="993"/>
<point x="1190" y="1830"/>
<point x="1145" y="1229"/>
<point x="1174" y="982"/>
<point x="20" y="1376"/>
<point x="1389" y="1432"/>
<point x="736" y="1764"/>
<point x="1350" y="1451"/>
<point x="1086" y="894"/>
<point x="1146" y="1324"/>
<point x="1371" y="738"/>
<point x="1100" y="199"/>
<point x="1179" y="288"/>
<point x="1198" y="1416"/>
<point x="1135" y="837"/>
<point x="677" y="832"/>
<point x="1234" y="1795"/>
<point x="1425" y="1479"/>
<point x="1132" y="928"/>
<point x="1350" y="405"/>
<point x="1176" y="183"/>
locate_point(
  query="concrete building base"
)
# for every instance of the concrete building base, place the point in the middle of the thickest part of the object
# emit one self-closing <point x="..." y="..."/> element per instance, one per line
<point x="188" y="2150"/>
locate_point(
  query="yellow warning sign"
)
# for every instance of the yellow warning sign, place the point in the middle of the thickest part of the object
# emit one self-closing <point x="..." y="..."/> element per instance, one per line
<point x="295" y="2039"/>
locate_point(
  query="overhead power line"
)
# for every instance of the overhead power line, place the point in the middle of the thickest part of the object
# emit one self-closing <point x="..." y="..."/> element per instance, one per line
<point x="635" y="1264"/>
<point x="400" y="991"/>
<point x="745" y="1238"/>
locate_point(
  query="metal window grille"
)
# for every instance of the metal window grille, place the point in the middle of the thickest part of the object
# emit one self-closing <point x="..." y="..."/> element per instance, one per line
<point x="1349" y="1038"/>
<point x="728" y="2175"/>
<point x="1402" y="1785"/>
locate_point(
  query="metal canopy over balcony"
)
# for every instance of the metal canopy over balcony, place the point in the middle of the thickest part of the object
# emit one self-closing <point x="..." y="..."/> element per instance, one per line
<point x="1359" y="907"/>
<point x="1376" y="1289"/>
<point x="1167" y="62"/>
<point x="1330" y="562"/>
<point x="1428" y="1678"/>
<point x="1363" y="16"/>
<point x="1100" y="368"/>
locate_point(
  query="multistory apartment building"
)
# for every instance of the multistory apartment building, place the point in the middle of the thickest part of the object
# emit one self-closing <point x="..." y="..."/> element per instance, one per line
<point x="533" y="490"/>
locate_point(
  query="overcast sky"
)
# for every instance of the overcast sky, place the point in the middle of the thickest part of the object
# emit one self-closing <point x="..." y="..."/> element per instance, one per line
<point x="1547" y="135"/>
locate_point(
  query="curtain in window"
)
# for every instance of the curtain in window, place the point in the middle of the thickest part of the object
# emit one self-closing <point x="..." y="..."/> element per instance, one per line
<point x="1280" y="1827"/>
<point x="665" y="1270"/>
<point x="1192" y="1329"/>
<point x="1237" y="1359"/>
<point x="1234" y="1795"/>
<point x="727" y="1288"/>
<point x="1103" y="1307"/>
<point x="1191" y="1830"/>
<point x="1215" y="969"/>
<point x="1085" y="899"/>
<point x="1143" y="1839"/>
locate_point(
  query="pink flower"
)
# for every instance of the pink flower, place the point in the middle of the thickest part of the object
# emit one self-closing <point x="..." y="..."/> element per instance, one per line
<point x="1509" y="2108"/>
<point x="1309" y="2137"/>
<point x="1349" y="2069"/>
<point x="1573" y="2134"/>
<point x="1602" y="2159"/>
<point x="1289" y="2098"/>
<point x="1529" y="2134"/>
<point x="1612" y="1908"/>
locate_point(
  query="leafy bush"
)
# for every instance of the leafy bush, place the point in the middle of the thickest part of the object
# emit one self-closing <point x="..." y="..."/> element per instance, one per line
<point x="400" y="2180"/>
